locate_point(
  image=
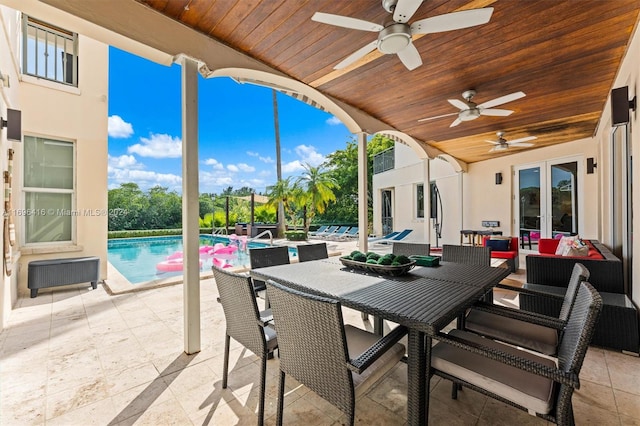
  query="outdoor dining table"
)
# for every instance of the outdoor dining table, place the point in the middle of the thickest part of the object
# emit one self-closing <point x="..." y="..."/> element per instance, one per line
<point x="425" y="300"/>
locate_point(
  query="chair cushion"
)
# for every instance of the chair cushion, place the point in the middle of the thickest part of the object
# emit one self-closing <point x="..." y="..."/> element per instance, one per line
<point x="531" y="336"/>
<point x="498" y="244"/>
<point x="358" y="341"/>
<point x="503" y="254"/>
<point x="536" y="393"/>
<point x="272" y="338"/>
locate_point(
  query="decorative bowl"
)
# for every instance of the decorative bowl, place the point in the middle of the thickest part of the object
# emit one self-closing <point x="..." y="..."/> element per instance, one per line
<point x="393" y="270"/>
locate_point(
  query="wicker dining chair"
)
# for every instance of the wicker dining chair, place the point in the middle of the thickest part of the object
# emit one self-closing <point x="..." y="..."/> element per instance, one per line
<point x="307" y="252"/>
<point x="467" y="254"/>
<point x="267" y="256"/>
<point x="522" y="328"/>
<point x="517" y="377"/>
<point x="245" y="323"/>
<point x="408" y="249"/>
<point x="338" y="362"/>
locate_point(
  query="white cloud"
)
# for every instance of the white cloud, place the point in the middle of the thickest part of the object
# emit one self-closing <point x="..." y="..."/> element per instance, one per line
<point x="118" y="128"/>
<point x="246" y="168"/>
<point x="215" y="163"/>
<point x="144" y="178"/>
<point x="308" y="154"/>
<point x="292" y="167"/>
<point x="233" y="168"/>
<point x="261" y="158"/>
<point x="333" y="121"/>
<point x="123" y="161"/>
<point x="158" y="146"/>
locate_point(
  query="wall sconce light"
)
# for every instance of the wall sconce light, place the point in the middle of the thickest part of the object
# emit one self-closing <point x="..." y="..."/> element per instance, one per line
<point x="498" y="178"/>
<point x="13" y="123"/>
<point x="620" y="106"/>
<point x="591" y="165"/>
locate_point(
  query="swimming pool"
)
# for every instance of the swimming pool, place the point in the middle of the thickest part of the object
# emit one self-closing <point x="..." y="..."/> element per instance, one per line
<point x="138" y="258"/>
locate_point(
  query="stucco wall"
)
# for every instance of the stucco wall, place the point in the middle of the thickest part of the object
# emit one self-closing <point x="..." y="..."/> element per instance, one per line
<point x="9" y="98"/>
<point x="78" y="115"/>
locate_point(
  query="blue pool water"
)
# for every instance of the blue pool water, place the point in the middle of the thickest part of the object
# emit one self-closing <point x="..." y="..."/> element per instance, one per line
<point x="136" y="258"/>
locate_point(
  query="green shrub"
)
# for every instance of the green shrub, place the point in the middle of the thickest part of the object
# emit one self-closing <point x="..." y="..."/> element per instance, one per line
<point x="295" y="235"/>
<point x="150" y="233"/>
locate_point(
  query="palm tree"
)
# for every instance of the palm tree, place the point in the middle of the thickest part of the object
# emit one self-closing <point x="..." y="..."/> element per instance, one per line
<point x="317" y="191"/>
<point x="282" y="193"/>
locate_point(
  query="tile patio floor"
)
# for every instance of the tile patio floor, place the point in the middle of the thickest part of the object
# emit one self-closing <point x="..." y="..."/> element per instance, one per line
<point x="76" y="356"/>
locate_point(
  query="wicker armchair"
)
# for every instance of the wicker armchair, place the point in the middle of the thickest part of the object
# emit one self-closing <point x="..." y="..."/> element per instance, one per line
<point x="467" y="254"/>
<point x="522" y="328"/>
<point x="411" y="248"/>
<point x="245" y="324"/>
<point x="307" y="252"/>
<point x="315" y="348"/>
<point x="267" y="256"/>
<point x="519" y="378"/>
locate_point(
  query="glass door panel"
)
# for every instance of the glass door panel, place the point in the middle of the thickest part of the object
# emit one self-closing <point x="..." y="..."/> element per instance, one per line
<point x="529" y="205"/>
<point x="564" y="198"/>
<point x="387" y="213"/>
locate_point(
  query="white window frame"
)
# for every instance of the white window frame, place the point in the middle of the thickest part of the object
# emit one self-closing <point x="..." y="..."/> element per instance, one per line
<point x="69" y="45"/>
<point x="26" y="190"/>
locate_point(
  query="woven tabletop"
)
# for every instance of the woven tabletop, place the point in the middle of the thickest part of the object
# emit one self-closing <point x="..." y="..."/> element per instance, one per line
<point x="425" y="299"/>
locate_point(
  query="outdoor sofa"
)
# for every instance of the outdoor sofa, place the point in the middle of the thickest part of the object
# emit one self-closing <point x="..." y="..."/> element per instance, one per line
<point x="617" y="326"/>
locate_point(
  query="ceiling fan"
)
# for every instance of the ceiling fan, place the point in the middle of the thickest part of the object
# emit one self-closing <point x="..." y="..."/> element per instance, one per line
<point x="470" y="110"/>
<point x="501" y="144"/>
<point x="395" y="35"/>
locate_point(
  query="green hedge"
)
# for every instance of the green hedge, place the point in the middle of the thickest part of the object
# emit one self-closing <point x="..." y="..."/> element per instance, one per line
<point x="150" y="233"/>
<point x="296" y="235"/>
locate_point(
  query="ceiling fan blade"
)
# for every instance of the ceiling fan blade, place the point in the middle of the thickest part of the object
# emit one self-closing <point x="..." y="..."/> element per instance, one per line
<point x="405" y="9"/>
<point x="525" y="139"/>
<point x="493" y="142"/>
<point x="452" y="21"/>
<point x="458" y="104"/>
<point x="410" y="57"/>
<point x="356" y="55"/>
<point x="438" y="116"/>
<point x="346" y="22"/>
<point x="519" y="144"/>
<point x="502" y="100"/>
<point x="496" y="112"/>
<point x="455" y="122"/>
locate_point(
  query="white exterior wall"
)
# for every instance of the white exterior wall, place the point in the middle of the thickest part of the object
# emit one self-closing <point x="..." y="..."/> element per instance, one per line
<point x="57" y="111"/>
<point x="628" y="75"/>
<point x="9" y="98"/>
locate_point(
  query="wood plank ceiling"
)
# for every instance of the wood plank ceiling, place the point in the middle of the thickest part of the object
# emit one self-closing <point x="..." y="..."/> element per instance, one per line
<point x="563" y="54"/>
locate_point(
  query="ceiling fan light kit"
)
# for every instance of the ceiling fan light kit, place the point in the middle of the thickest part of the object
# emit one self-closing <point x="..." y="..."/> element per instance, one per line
<point x="394" y="38"/>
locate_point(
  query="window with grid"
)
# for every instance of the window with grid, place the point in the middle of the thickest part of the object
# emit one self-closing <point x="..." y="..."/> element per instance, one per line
<point x="48" y="190"/>
<point x="49" y="52"/>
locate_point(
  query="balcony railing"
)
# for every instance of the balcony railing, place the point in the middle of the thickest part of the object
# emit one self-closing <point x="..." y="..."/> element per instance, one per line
<point x="384" y="161"/>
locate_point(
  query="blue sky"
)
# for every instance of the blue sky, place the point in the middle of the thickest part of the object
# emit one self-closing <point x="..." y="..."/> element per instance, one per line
<point x="236" y="129"/>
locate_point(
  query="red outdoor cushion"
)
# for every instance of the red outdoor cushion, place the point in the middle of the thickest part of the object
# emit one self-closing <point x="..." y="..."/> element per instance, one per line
<point x="547" y="245"/>
<point x="503" y="254"/>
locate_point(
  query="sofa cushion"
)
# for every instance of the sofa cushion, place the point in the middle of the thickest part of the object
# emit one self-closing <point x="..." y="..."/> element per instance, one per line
<point x="565" y="243"/>
<point x="547" y="245"/>
<point x="498" y="244"/>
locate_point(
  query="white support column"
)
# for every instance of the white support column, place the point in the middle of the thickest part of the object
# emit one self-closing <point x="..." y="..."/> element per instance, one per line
<point x="363" y="199"/>
<point x="190" y="206"/>
<point x="461" y="194"/>
<point x="427" y="200"/>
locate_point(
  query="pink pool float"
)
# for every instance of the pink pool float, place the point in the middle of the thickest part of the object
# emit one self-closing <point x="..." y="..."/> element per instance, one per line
<point x="172" y="265"/>
<point x="221" y="263"/>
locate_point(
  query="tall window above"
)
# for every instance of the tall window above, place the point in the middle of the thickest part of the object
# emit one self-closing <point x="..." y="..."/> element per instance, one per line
<point x="48" y="189"/>
<point x="49" y="52"/>
<point x="420" y="200"/>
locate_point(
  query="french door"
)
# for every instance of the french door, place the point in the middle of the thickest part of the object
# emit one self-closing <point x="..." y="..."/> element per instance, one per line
<point x="548" y="199"/>
<point x="387" y="211"/>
